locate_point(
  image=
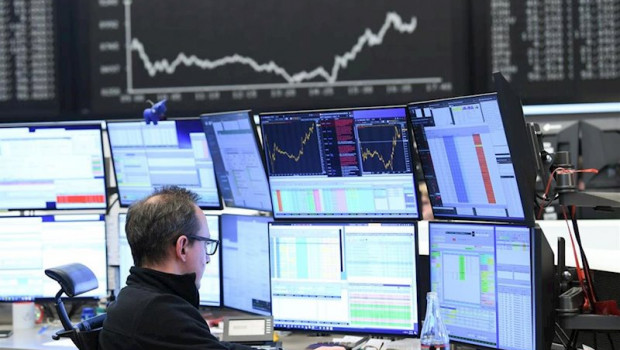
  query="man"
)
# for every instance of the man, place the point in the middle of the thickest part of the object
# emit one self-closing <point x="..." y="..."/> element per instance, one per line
<point x="158" y="309"/>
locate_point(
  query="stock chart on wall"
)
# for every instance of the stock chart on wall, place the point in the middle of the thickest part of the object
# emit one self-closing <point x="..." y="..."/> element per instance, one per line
<point x="269" y="55"/>
<point x="340" y="163"/>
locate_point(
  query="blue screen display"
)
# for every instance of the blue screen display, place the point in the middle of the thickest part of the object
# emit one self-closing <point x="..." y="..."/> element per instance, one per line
<point x="466" y="160"/>
<point x="237" y="159"/>
<point x="244" y="239"/>
<point x="482" y="274"/>
<point x="52" y="167"/>
<point x="35" y="243"/>
<point x="344" y="277"/>
<point x="340" y="163"/>
<point x="170" y="153"/>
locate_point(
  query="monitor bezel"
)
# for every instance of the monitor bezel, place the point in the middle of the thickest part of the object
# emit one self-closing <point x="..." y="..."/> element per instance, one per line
<point x="511" y="137"/>
<point x="46" y="299"/>
<point x="223" y="293"/>
<point x="544" y="286"/>
<point x="84" y="125"/>
<point x="416" y="300"/>
<point x="259" y="149"/>
<point x="117" y="188"/>
<point x="348" y="217"/>
<point x="521" y="148"/>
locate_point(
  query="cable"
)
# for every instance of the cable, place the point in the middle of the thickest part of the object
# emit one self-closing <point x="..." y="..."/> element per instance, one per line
<point x="563" y="334"/>
<point x="542" y="198"/>
<point x="552" y="177"/>
<point x="546" y="193"/>
<point x="584" y="259"/>
<point x="588" y="301"/>
<point x="574" y="336"/>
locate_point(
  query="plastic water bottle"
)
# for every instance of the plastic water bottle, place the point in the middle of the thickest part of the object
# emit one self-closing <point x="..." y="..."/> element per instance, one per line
<point x="434" y="335"/>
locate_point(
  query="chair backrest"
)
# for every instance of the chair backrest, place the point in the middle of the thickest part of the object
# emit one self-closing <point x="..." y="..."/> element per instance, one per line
<point x="75" y="279"/>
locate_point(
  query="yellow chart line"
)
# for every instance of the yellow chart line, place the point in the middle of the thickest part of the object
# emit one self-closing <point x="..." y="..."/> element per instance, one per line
<point x="275" y="149"/>
<point x="390" y="163"/>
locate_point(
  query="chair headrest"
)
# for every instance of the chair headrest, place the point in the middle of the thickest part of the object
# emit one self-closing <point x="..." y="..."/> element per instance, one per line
<point x="74" y="279"/>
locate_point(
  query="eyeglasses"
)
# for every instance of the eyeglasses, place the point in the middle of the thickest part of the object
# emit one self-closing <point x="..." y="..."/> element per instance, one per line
<point x="210" y="244"/>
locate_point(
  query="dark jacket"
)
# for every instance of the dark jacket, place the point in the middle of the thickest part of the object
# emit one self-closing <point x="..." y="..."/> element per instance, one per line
<point x="157" y="310"/>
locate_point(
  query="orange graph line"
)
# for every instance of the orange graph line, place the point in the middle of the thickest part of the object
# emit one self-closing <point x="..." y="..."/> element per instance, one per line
<point x="390" y="163"/>
<point x="276" y="150"/>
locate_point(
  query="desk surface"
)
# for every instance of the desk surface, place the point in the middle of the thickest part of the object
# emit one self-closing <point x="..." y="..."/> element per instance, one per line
<point x="36" y="338"/>
<point x="41" y="339"/>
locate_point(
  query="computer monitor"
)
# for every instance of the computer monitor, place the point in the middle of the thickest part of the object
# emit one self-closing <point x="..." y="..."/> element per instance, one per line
<point x="495" y="284"/>
<point x="237" y="159"/>
<point x="245" y="263"/>
<point x="125" y="259"/>
<point x="52" y="167"/>
<point x="35" y="243"/>
<point x="340" y="163"/>
<point x="352" y="278"/>
<point x="148" y="156"/>
<point x="467" y="159"/>
<point x="599" y="145"/>
<point x="210" y="289"/>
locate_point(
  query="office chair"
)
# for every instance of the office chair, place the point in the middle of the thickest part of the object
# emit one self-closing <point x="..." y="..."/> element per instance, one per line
<point x="75" y="279"/>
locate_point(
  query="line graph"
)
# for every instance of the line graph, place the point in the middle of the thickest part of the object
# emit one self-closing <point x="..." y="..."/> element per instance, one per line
<point x="381" y="148"/>
<point x="292" y="148"/>
<point x="276" y="150"/>
<point x="368" y="39"/>
<point x="272" y="55"/>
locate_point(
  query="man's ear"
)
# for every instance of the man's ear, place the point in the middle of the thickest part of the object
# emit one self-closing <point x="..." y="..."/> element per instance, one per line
<point x="181" y="248"/>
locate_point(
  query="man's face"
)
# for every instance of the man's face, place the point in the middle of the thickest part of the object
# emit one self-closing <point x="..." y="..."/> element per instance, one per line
<point x="198" y="257"/>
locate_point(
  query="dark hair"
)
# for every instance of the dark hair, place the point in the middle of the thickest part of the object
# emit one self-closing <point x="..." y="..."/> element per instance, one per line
<point x="158" y="220"/>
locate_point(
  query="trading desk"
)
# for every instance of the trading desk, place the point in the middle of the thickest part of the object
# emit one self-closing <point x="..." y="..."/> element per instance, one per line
<point x="36" y="338"/>
<point x="41" y="339"/>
